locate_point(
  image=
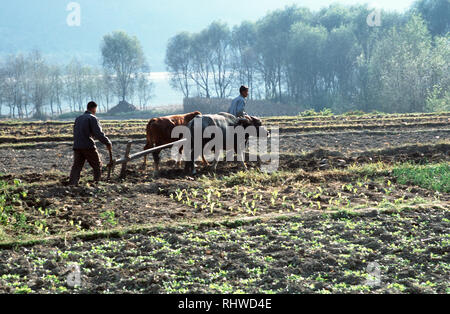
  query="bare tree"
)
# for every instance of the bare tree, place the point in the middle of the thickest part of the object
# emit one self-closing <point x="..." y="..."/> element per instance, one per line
<point x="2" y="87"/>
<point x="56" y="89"/>
<point x="16" y="76"/>
<point x="39" y="83"/>
<point x="75" y="82"/>
<point x="107" y="89"/>
<point x="144" y="90"/>
<point x="201" y="67"/>
<point x="93" y="83"/>
<point x="219" y="37"/>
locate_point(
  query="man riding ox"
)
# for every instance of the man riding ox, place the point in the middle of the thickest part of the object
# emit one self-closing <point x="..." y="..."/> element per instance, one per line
<point x="238" y="104"/>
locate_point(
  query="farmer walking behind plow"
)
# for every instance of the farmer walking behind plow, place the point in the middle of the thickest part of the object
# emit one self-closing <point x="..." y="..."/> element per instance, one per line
<point x="86" y="128"/>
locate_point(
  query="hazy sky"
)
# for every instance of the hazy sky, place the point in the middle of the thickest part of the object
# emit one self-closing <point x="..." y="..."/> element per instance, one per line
<point x="26" y="24"/>
<point x="398" y="5"/>
<point x="235" y="11"/>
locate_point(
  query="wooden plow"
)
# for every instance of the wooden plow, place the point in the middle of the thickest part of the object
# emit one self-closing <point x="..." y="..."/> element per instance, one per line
<point x="128" y="158"/>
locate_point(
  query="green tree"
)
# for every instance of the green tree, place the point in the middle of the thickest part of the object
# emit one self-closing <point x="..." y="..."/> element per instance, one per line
<point x="219" y="39"/>
<point x="305" y="67"/>
<point x="273" y="37"/>
<point x="334" y="16"/>
<point x="340" y="57"/>
<point x="439" y="95"/>
<point x="438" y="100"/>
<point x="245" y="54"/>
<point x="123" y="56"/>
<point x="436" y="13"/>
<point x="402" y="69"/>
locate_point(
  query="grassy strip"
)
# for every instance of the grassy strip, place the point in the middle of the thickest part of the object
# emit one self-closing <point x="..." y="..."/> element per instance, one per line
<point x="56" y="144"/>
<point x="33" y="145"/>
<point x="207" y="223"/>
<point x="367" y="116"/>
<point x="365" y="132"/>
<point x="359" y="127"/>
<point x="253" y="178"/>
<point x="433" y="177"/>
<point x="45" y="139"/>
<point x="34" y="139"/>
<point x="66" y="123"/>
<point x="312" y="122"/>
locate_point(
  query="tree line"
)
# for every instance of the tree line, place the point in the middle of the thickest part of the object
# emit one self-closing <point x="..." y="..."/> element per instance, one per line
<point x="331" y="58"/>
<point x="30" y="86"/>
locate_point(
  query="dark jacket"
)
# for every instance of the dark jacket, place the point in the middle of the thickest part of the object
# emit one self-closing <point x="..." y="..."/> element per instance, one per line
<point x="86" y="128"/>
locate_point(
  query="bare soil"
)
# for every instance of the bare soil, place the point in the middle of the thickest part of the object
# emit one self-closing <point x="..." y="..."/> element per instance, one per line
<point x="224" y="232"/>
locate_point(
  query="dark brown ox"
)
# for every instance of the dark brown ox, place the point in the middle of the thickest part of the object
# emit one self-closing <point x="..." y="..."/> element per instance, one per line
<point x="159" y="132"/>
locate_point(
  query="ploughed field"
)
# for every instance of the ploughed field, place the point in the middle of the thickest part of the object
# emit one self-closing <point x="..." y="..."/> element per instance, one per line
<point x="349" y="191"/>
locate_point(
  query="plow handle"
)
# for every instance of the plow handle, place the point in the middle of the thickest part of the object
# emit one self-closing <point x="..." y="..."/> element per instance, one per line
<point x="111" y="163"/>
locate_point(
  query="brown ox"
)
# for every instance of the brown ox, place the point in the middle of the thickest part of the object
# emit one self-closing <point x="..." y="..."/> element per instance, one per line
<point x="159" y="132"/>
